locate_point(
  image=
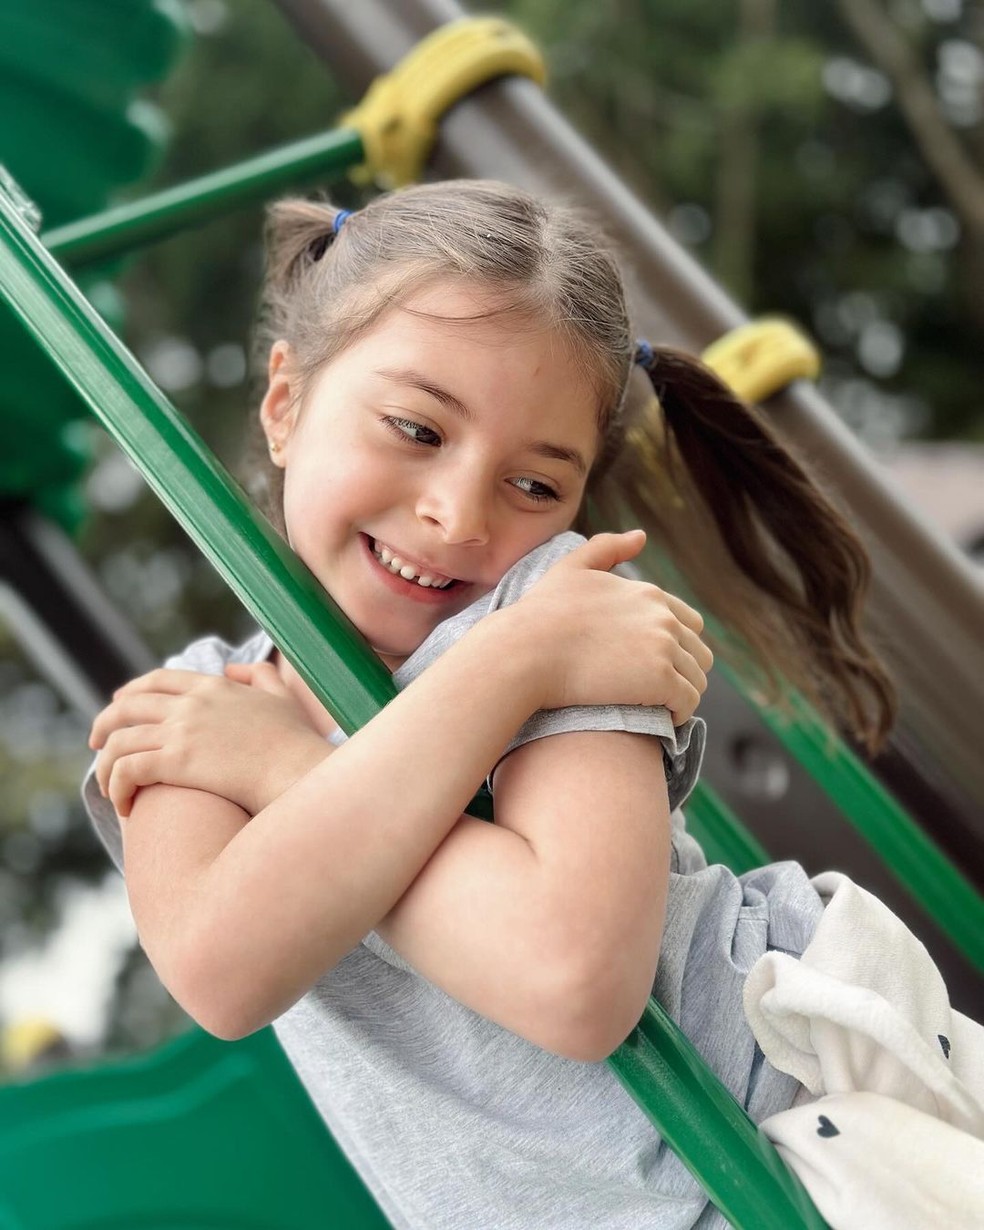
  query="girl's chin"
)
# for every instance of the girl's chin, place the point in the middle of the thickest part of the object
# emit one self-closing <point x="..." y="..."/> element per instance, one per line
<point x="390" y="651"/>
<point x="391" y="661"/>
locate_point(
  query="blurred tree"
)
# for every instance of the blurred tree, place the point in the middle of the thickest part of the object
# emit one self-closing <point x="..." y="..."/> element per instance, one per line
<point x="823" y="161"/>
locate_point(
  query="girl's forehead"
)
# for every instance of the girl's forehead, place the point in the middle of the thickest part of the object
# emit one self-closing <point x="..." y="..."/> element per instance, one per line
<point x="441" y="321"/>
<point x="465" y="307"/>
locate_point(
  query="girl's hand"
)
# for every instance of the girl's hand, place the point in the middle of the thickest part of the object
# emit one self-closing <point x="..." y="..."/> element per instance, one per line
<point x="603" y="639"/>
<point x="246" y="741"/>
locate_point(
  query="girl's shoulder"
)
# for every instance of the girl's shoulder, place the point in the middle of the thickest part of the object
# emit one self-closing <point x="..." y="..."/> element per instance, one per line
<point x="532" y="566"/>
<point x="520" y="577"/>
<point x="210" y="654"/>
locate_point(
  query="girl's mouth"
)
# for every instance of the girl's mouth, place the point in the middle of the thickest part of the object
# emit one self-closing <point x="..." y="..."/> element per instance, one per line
<point x="408" y="572"/>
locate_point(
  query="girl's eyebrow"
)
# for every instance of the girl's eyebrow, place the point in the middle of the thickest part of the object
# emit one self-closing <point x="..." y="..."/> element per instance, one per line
<point x="558" y="452"/>
<point x="406" y="375"/>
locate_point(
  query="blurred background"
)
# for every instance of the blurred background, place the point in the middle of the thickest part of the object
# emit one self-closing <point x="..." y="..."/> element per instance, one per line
<point x="822" y="161"/>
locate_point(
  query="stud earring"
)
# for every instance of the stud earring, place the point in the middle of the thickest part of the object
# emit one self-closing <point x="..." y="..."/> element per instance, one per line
<point x="275" y="447"/>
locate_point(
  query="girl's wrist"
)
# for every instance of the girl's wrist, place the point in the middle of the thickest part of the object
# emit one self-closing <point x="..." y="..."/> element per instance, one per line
<point x="290" y="767"/>
<point x="514" y="648"/>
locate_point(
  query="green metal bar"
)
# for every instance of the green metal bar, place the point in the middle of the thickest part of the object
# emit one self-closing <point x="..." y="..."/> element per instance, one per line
<point x="126" y="227"/>
<point x="721" y="834"/>
<point x="712" y="1135"/>
<point x="907" y="851"/>
<point x="280" y="592"/>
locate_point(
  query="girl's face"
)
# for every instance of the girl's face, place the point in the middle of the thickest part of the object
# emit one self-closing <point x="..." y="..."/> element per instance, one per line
<point x="438" y="450"/>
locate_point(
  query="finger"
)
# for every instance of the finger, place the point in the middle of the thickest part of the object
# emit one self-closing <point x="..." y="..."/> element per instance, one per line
<point x="163" y="679"/>
<point x="131" y="710"/>
<point x="684" y="704"/>
<point x="676" y="681"/>
<point x="261" y="675"/>
<point x="687" y="666"/>
<point x="604" y="551"/>
<point x="695" y="647"/>
<point x="129" y="774"/>
<point x="685" y="613"/>
<point x="124" y="742"/>
<point x="266" y="677"/>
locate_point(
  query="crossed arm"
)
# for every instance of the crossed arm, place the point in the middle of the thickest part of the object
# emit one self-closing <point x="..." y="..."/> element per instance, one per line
<point x="550" y="928"/>
<point x="547" y="922"/>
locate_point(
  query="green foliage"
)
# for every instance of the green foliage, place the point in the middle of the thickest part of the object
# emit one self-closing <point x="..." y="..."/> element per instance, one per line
<point x="782" y="75"/>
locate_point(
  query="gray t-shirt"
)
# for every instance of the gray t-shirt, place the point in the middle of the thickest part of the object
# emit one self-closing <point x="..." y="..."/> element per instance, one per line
<point x="455" y="1123"/>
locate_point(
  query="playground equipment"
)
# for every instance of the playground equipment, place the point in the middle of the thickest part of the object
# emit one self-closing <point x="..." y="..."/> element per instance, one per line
<point x="63" y="72"/>
<point x="40" y="1122"/>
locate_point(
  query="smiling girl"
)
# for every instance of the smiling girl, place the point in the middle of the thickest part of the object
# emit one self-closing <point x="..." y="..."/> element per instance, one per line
<point x="446" y="383"/>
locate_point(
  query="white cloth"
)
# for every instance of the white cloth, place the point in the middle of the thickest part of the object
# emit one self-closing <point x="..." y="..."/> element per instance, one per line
<point x="863" y="1020"/>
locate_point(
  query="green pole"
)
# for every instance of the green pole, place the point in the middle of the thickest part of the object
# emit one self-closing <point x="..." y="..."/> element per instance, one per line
<point x="125" y="227"/>
<point x="736" y="1163"/>
<point x="908" y="852"/>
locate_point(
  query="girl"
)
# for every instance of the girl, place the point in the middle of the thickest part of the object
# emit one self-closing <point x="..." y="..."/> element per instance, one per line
<point x="447" y="376"/>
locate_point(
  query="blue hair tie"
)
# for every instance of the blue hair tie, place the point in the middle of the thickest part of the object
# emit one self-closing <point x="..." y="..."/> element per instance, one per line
<point x="643" y="354"/>
<point x="319" y="246"/>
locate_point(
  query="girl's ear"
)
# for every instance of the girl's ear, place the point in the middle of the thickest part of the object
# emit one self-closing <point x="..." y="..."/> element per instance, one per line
<point x="279" y="405"/>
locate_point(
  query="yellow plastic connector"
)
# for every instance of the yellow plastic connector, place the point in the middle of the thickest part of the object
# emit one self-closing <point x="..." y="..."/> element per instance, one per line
<point x="760" y="358"/>
<point x="26" y="1040"/>
<point x="399" y="116"/>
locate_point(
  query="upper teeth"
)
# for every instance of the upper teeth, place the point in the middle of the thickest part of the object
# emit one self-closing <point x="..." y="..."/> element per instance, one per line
<point x="407" y="571"/>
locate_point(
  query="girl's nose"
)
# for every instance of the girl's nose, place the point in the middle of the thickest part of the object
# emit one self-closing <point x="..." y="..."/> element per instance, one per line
<point x="458" y="511"/>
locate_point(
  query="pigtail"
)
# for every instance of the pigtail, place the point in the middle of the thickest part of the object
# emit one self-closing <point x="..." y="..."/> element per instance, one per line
<point x="758" y="540"/>
<point x="298" y="233"/>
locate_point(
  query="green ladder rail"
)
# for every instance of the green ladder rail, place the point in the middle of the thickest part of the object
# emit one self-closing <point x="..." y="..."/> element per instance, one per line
<point x="734" y="1163"/>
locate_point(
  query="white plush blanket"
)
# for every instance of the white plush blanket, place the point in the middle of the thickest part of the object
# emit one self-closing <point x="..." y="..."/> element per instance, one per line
<point x="890" y="1135"/>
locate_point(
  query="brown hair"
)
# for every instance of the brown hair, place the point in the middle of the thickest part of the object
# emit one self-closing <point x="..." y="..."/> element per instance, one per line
<point x="757" y="540"/>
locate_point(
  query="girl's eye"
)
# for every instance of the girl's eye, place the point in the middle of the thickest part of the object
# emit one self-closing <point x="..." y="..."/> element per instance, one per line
<point x="416" y="433"/>
<point x="534" y="490"/>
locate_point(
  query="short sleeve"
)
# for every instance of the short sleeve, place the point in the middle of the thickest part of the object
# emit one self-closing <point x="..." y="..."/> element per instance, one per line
<point x="683" y="746"/>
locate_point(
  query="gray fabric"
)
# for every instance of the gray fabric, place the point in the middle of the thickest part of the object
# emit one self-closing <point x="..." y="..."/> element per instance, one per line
<point x="683" y="748"/>
<point x="454" y="1122"/>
